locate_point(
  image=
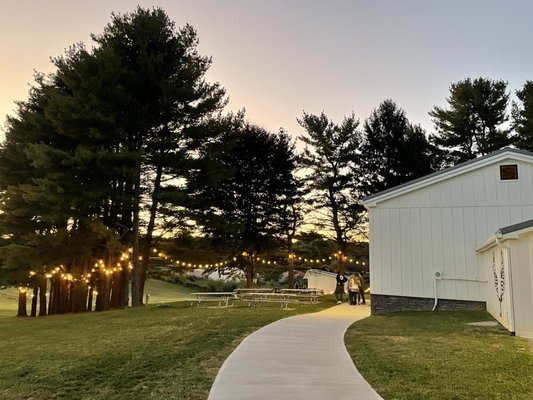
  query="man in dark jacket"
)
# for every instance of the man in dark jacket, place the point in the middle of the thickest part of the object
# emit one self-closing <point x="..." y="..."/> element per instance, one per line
<point x="339" y="289"/>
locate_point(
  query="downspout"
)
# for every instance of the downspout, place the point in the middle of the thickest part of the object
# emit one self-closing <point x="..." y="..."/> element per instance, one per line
<point x="511" y="296"/>
<point x="438" y="276"/>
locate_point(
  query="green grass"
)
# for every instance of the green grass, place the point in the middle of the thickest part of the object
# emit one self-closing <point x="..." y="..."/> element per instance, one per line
<point x="437" y="356"/>
<point x="164" y="292"/>
<point x="175" y="352"/>
<point x="159" y="291"/>
<point x="144" y="353"/>
<point x="8" y="301"/>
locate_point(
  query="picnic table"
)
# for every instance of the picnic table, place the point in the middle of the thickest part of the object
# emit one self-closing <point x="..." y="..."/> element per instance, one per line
<point x="240" y="292"/>
<point x="255" y="297"/>
<point x="303" y="291"/>
<point x="221" y="298"/>
<point x="284" y="299"/>
<point x="254" y="290"/>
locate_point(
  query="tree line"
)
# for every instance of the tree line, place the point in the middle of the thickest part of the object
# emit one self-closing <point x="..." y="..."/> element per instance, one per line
<point x="126" y="143"/>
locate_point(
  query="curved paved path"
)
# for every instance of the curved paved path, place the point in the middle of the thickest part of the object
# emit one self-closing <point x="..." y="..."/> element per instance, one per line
<point x="301" y="357"/>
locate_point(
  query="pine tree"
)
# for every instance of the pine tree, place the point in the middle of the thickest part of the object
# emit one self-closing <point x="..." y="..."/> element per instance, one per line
<point x="522" y="115"/>
<point x="94" y="146"/>
<point x="473" y="123"/>
<point x="330" y="156"/>
<point x="393" y="151"/>
<point x="240" y="203"/>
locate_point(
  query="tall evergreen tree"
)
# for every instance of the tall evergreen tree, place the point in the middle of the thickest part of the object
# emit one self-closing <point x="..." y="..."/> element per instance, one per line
<point x="473" y="123"/>
<point x="522" y="115"/>
<point x="36" y="212"/>
<point x="99" y="139"/>
<point x="165" y="93"/>
<point x="393" y="151"/>
<point x="241" y="204"/>
<point x="330" y="156"/>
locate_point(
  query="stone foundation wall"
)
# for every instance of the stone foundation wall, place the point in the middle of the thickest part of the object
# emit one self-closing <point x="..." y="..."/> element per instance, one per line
<point x="381" y="304"/>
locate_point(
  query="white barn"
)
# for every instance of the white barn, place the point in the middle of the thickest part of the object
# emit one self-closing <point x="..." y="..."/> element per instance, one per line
<point x="322" y="280"/>
<point x="425" y="235"/>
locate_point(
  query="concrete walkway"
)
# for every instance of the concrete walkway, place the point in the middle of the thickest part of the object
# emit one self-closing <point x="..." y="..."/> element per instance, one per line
<point x="301" y="357"/>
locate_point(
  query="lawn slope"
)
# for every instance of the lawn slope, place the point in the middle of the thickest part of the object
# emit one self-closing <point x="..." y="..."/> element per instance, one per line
<point x="149" y="352"/>
<point x="438" y="356"/>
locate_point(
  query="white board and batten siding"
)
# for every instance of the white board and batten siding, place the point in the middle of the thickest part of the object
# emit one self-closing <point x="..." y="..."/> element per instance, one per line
<point x="435" y="224"/>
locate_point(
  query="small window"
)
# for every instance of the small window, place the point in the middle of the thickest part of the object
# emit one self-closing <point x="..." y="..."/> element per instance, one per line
<point x="508" y="172"/>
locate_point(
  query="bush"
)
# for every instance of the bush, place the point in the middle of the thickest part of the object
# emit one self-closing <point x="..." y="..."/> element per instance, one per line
<point x="230" y="286"/>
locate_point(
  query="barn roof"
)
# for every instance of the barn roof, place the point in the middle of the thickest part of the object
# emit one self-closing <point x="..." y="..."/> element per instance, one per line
<point x="516" y="227"/>
<point x="447" y="173"/>
<point x="319" y="272"/>
<point x="506" y="233"/>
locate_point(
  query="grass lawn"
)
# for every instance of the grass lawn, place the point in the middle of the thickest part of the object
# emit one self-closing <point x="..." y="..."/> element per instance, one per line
<point x="8" y="302"/>
<point x="159" y="291"/>
<point x="164" y="292"/>
<point x="175" y="352"/>
<point x="144" y="353"/>
<point x="437" y="356"/>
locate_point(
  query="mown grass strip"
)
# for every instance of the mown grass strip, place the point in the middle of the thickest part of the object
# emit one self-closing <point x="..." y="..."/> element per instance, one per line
<point x="438" y="356"/>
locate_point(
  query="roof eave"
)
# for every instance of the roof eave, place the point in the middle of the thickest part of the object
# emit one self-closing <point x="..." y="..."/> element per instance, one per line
<point x="372" y="200"/>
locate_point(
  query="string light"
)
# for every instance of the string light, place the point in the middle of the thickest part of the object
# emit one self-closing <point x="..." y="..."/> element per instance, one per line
<point x="101" y="268"/>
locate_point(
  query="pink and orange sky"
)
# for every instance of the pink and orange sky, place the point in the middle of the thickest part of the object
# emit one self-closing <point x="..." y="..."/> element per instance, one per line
<point x="277" y="58"/>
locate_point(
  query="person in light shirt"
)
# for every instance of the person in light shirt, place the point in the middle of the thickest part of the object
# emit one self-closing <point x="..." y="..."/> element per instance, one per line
<point x="353" y="289"/>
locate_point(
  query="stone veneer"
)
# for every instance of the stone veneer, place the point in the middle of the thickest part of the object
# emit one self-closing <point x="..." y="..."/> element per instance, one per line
<point x="381" y="304"/>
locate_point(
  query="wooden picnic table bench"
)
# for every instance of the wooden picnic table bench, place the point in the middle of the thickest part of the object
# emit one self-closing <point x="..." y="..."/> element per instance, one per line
<point x="254" y="290"/>
<point x="284" y="299"/>
<point x="303" y="291"/>
<point x="221" y="298"/>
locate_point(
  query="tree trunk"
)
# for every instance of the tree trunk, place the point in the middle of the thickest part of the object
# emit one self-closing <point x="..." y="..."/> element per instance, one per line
<point x="249" y="277"/>
<point x="84" y="286"/>
<point x="124" y="288"/>
<point x="33" y="312"/>
<point x="100" y="287"/>
<point x="341" y="258"/>
<point x="338" y="232"/>
<point x="149" y="231"/>
<point x="77" y="299"/>
<point x="55" y="290"/>
<point x="42" y="296"/>
<point x="115" y="288"/>
<point x="90" y="299"/>
<point x="250" y="271"/>
<point x="64" y="295"/>
<point x="136" y="292"/>
<point x="84" y="291"/>
<point x="22" y="312"/>
<point x="291" y="267"/>
<point x="127" y="223"/>
<point x="107" y="291"/>
<point x="51" y="295"/>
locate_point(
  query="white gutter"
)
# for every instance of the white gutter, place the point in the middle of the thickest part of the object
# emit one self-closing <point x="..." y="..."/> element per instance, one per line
<point x="511" y="297"/>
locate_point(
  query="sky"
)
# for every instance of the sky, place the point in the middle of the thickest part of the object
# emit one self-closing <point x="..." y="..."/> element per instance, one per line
<point x="279" y="58"/>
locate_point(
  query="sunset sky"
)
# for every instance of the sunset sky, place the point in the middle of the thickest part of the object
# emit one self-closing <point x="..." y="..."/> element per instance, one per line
<point x="277" y="58"/>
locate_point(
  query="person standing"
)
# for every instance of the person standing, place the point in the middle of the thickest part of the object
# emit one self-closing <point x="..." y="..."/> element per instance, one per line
<point x="362" y="287"/>
<point x="353" y="288"/>
<point x="339" y="289"/>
